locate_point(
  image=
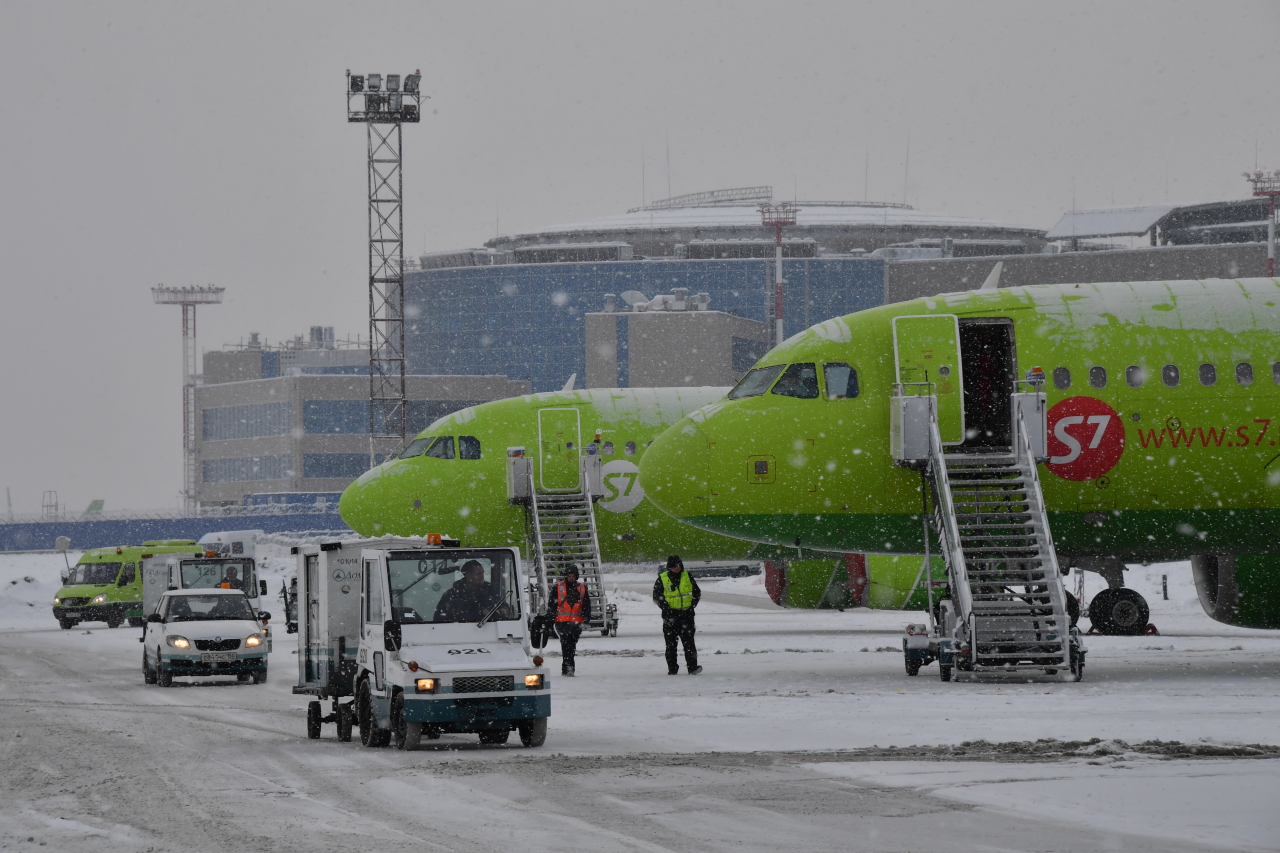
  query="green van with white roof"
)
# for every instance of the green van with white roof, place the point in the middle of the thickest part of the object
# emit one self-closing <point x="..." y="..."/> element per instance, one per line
<point x="105" y="585"/>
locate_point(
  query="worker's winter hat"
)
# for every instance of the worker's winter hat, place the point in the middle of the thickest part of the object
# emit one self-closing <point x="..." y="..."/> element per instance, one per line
<point x="571" y="570"/>
<point x="673" y="561"/>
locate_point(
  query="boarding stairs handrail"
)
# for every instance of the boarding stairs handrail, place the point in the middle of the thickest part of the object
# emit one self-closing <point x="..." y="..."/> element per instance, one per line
<point x="945" y="522"/>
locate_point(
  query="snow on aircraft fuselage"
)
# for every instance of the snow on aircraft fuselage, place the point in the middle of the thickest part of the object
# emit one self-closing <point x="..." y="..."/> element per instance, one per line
<point x="1164" y="409"/>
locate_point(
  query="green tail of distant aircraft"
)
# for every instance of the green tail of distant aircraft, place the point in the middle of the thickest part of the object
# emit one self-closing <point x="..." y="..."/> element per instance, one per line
<point x="1163" y="430"/>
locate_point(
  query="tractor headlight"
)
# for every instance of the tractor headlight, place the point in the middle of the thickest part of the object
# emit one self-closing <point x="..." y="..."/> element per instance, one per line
<point x="56" y="601"/>
<point x="532" y="681"/>
<point x="253" y="640"/>
<point x="427" y="685"/>
<point x="178" y="642"/>
<point x="100" y="598"/>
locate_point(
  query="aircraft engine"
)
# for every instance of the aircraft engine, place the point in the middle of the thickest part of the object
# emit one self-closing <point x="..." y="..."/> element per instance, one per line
<point x="1239" y="589"/>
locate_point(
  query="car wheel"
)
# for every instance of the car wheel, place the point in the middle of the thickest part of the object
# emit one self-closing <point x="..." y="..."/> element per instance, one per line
<point x="164" y="676"/>
<point x="243" y="676"/>
<point x="313" y="720"/>
<point x="533" y="732"/>
<point x="148" y="674"/>
<point x="260" y="677"/>
<point x="344" y="723"/>
<point x="370" y="734"/>
<point x="495" y="737"/>
<point x="404" y="734"/>
<point x="137" y="622"/>
<point x="66" y="624"/>
<point x="115" y="621"/>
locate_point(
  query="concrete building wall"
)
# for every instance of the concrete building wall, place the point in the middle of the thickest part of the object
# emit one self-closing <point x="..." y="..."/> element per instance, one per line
<point x="906" y="280"/>
<point x="309" y="433"/>
<point x="232" y="366"/>
<point x="660" y="349"/>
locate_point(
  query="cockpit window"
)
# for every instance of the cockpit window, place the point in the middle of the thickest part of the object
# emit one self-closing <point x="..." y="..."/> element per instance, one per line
<point x="416" y="447"/>
<point x="441" y="448"/>
<point x="800" y="380"/>
<point x="842" y="380"/>
<point x="469" y="446"/>
<point x="756" y="382"/>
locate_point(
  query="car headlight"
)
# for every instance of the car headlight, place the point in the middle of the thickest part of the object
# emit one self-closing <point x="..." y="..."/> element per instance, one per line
<point x="178" y="642"/>
<point x="532" y="681"/>
<point x="428" y="685"/>
<point x="56" y="601"/>
<point x="253" y="640"/>
<point x="100" y="598"/>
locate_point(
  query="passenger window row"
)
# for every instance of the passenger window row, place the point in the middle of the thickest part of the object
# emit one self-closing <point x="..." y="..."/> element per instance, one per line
<point x="441" y="447"/>
<point x="799" y="380"/>
<point x="1170" y="375"/>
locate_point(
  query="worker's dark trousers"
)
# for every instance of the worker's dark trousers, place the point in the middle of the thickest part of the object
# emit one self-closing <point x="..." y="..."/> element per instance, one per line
<point x="677" y="625"/>
<point x="569" y="632"/>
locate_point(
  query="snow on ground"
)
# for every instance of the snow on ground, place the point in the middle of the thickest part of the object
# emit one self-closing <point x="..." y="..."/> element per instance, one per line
<point x="780" y="684"/>
<point x="1161" y="799"/>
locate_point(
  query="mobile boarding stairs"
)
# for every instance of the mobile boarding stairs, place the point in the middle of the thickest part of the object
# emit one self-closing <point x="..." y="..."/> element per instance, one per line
<point x="562" y="530"/>
<point x="1002" y="607"/>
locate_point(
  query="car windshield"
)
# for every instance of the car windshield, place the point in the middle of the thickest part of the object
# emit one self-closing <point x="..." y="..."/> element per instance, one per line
<point x="95" y="573"/>
<point x="457" y="586"/>
<point x="199" y="608"/>
<point x="756" y="382"/>
<point x="211" y="574"/>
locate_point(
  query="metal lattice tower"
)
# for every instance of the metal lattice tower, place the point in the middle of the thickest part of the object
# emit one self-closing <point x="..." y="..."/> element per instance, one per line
<point x="188" y="298"/>
<point x="383" y="110"/>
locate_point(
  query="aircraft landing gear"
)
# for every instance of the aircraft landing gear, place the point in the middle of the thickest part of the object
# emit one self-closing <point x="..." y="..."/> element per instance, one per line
<point x="1119" y="612"/>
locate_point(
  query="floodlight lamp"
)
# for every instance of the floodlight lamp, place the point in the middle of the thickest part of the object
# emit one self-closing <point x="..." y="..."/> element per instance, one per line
<point x="375" y="82"/>
<point x="411" y="82"/>
<point x="393" y="82"/>
<point x="395" y="102"/>
<point x="357" y="82"/>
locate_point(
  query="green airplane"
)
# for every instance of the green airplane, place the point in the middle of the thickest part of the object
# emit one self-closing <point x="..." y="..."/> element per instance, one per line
<point x="1164" y="408"/>
<point x="451" y="479"/>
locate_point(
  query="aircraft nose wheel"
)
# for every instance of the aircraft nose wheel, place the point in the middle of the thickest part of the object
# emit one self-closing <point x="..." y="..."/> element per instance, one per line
<point x="1119" y="612"/>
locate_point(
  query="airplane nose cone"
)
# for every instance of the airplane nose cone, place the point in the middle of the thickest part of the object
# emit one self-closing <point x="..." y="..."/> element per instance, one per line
<point x="673" y="472"/>
<point x="369" y="506"/>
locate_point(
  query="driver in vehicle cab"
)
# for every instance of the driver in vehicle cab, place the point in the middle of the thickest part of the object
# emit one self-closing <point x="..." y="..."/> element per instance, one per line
<point x="231" y="579"/>
<point x="469" y="599"/>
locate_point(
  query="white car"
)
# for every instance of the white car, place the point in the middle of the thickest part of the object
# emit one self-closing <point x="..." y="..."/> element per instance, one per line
<point x="204" y="632"/>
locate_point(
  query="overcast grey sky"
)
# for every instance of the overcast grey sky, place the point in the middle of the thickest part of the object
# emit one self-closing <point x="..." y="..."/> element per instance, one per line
<point x="193" y="143"/>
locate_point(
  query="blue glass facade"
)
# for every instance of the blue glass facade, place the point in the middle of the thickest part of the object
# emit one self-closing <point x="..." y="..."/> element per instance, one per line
<point x="253" y="421"/>
<point x="249" y="468"/>
<point x="527" y="320"/>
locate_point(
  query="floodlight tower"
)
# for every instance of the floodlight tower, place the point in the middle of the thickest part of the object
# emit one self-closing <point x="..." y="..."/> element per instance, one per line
<point x="1267" y="183"/>
<point x="188" y="298"/>
<point x="777" y="216"/>
<point x="383" y="109"/>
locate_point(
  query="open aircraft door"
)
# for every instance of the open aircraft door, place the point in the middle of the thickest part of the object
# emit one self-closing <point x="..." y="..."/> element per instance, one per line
<point x="927" y="349"/>
<point x="559" y="449"/>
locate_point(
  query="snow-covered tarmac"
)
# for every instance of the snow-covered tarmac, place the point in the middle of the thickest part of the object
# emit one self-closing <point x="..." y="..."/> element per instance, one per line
<point x="771" y="748"/>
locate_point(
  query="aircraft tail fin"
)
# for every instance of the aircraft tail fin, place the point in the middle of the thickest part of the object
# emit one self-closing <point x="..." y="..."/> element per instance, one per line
<point x="568" y="386"/>
<point x="993" y="280"/>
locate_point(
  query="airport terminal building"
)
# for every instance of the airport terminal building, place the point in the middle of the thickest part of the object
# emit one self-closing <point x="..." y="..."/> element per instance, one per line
<point x="517" y="306"/>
